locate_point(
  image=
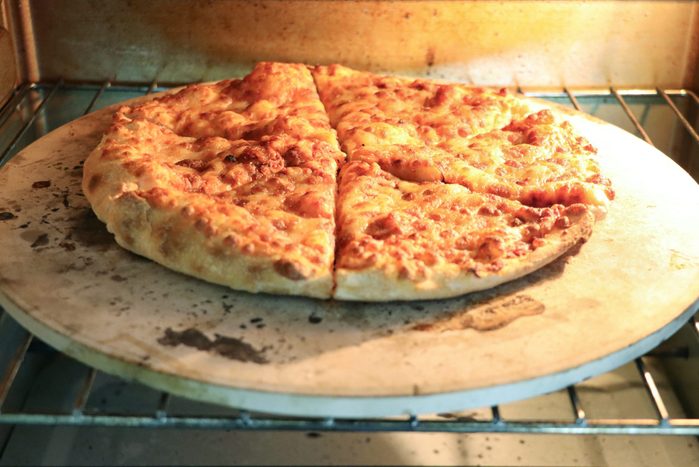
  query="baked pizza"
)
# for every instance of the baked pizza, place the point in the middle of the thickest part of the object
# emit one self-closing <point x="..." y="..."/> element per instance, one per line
<point x="483" y="139"/>
<point x="329" y="182"/>
<point x="231" y="182"/>
<point x="402" y="240"/>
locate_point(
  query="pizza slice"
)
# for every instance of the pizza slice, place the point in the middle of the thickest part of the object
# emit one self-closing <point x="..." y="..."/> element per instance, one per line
<point x="536" y="160"/>
<point x="486" y="140"/>
<point x="400" y="240"/>
<point x="274" y="98"/>
<point x="235" y="190"/>
<point x="369" y="109"/>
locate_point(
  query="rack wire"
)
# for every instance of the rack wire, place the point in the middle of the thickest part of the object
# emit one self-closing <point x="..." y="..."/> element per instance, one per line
<point x="27" y="116"/>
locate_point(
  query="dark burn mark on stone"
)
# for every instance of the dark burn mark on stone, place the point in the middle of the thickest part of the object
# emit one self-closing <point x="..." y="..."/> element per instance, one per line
<point x="314" y="319"/>
<point x="66" y="203"/>
<point x="88" y="231"/>
<point x="41" y="240"/>
<point x="228" y="347"/>
<point x="486" y="316"/>
<point x="6" y="216"/>
<point x="118" y="278"/>
<point x="313" y="434"/>
<point x="41" y="184"/>
<point x="68" y="246"/>
<point x="256" y="320"/>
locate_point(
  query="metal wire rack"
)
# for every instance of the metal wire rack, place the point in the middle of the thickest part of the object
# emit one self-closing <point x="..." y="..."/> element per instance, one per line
<point x="36" y="108"/>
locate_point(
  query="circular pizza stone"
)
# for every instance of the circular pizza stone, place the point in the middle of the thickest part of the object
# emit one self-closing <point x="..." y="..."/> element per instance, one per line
<point x="629" y="287"/>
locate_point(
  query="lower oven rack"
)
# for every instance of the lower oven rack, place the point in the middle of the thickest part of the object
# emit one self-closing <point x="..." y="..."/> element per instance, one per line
<point x="36" y="108"/>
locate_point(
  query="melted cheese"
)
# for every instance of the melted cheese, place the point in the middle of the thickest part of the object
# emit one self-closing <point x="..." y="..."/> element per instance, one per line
<point x="480" y="138"/>
<point x="252" y="160"/>
<point x="434" y="186"/>
<point x="408" y="230"/>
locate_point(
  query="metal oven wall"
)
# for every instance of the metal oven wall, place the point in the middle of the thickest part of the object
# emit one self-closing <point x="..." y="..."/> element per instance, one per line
<point x="509" y="43"/>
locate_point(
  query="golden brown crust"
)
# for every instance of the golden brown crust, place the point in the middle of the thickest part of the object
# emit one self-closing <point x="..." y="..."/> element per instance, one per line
<point x="448" y="189"/>
<point x="400" y="240"/>
<point x="232" y="182"/>
<point x="486" y="140"/>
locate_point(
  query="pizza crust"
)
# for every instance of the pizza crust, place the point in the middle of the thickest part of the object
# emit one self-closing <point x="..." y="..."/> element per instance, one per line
<point x="446" y="282"/>
<point x="231" y="182"/>
<point x="235" y="183"/>
<point x="171" y="238"/>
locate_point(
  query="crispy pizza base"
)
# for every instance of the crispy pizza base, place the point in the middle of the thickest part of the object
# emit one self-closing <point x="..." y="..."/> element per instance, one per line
<point x="401" y="240"/>
<point x="484" y="139"/>
<point x="382" y="285"/>
<point x="236" y="183"/>
<point x="210" y="239"/>
<point x="245" y="199"/>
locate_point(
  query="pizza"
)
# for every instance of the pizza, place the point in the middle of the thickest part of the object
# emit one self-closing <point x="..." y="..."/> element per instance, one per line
<point x="399" y="239"/>
<point x="333" y="183"/>
<point x="483" y="139"/>
<point x="232" y="182"/>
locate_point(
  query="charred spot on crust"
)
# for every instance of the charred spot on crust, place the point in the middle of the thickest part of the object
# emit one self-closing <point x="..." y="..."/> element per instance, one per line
<point x="289" y="270"/>
<point x="294" y="157"/>
<point x="94" y="182"/>
<point x="196" y="164"/>
<point x="384" y="227"/>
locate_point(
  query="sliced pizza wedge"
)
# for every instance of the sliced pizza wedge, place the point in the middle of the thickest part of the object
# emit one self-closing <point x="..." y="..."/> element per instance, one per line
<point x="486" y="140"/>
<point x="537" y="161"/>
<point x="231" y="182"/>
<point x="400" y="240"/>
<point x="370" y="110"/>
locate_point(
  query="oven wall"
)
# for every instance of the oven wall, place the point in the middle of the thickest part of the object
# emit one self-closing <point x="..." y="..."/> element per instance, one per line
<point x="528" y="43"/>
<point x="8" y="69"/>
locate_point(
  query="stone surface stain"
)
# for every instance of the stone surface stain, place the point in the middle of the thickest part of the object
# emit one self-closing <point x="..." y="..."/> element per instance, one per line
<point x="41" y="184"/>
<point x="88" y="231"/>
<point x="486" y="316"/>
<point x="228" y="347"/>
<point x="41" y="240"/>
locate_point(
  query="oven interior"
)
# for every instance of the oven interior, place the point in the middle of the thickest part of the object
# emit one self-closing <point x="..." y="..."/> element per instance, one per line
<point x="632" y="64"/>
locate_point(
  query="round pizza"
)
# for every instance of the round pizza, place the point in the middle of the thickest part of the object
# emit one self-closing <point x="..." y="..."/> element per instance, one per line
<point x="334" y="183"/>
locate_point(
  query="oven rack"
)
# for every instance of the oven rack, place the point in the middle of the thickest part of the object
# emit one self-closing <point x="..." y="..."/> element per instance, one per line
<point x="34" y="109"/>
